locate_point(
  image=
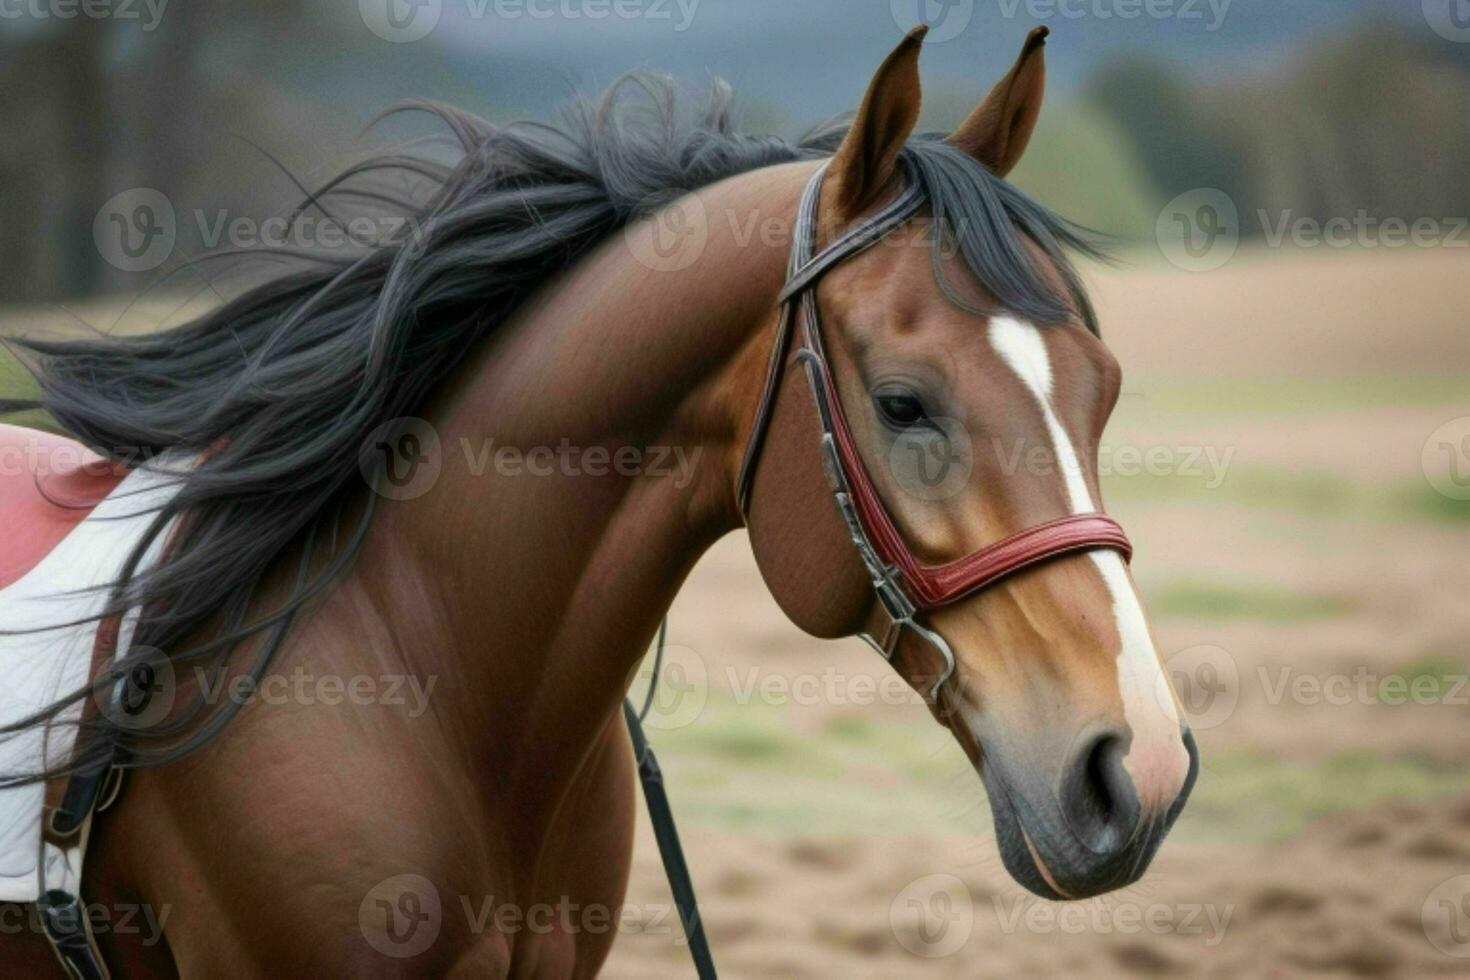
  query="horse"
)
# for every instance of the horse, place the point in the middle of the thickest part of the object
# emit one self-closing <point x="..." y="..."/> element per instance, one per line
<point x="312" y="501"/>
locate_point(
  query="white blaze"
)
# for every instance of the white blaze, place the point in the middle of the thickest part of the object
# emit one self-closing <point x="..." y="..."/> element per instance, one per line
<point x="1156" y="759"/>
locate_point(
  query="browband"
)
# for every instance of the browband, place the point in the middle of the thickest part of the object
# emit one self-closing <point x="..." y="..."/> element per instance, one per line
<point x="904" y="585"/>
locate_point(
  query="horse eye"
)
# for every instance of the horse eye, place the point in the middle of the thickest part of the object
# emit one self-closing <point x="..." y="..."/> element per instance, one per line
<point x="899" y="407"/>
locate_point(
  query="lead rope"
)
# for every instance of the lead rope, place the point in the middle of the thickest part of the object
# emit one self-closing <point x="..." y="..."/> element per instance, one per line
<point x="658" y="665"/>
<point x="676" y="869"/>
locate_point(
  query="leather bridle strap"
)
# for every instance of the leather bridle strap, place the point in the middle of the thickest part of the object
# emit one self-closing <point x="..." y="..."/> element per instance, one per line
<point x="802" y="275"/>
<point x="904" y="585"/>
<point x="933" y="586"/>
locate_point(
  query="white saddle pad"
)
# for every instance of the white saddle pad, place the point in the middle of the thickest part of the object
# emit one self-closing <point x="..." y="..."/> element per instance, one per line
<point x="38" y="667"/>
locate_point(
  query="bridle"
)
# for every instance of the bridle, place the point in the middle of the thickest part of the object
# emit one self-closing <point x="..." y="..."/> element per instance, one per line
<point x="904" y="585"/>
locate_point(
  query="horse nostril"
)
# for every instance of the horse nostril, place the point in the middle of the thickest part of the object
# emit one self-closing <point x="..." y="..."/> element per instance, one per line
<point x="1097" y="797"/>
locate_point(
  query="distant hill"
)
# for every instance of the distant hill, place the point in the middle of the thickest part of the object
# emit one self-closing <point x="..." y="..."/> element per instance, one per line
<point x="1373" y="123"/>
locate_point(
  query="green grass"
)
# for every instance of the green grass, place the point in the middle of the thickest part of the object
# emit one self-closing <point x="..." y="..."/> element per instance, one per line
<point x="1225" y="601"/>
<point x="1304" y="492"/>
<point x="850" y="727"/>
<point x="1307" y="493"/>
<point x="1428" y="679"/>
<point x="745" y="745"/>
<point x="1251" y="795"/>
<point x="1155" y="396"/>
<point x="1313" y="493"/>
<point x="753" y="768"/>
<point x="1422" y="503"/>
<point x="16" y="382"/>
<point x="750" y="767"/>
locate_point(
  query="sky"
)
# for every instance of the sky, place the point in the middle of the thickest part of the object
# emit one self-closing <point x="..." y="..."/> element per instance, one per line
<point x="812" y="57"/>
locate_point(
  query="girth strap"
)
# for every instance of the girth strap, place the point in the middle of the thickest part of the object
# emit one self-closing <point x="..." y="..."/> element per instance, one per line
<point x="87" y="791"/>
<point x="64" y="919"/>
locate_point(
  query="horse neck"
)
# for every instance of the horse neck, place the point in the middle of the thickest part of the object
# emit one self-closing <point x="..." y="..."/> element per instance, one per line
<point x="534" y="574"/>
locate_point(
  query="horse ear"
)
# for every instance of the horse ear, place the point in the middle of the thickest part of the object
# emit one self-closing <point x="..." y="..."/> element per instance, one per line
<point x="864" y="164"/>
<point x="997" y="132"/>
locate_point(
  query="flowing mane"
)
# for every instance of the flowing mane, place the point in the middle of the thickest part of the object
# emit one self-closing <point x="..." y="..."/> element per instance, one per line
<point x="277" y="391"/>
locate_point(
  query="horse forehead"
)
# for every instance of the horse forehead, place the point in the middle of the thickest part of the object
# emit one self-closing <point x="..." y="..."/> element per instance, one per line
<point x="895" y="276"/>
<point x="896" y="279"/>
<point x="885" y="319"/>
<point x="902" y="329"/>
<point x="890" y="293"/>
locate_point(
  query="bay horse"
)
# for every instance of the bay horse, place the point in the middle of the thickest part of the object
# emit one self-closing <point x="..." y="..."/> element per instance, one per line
<point x="592" y="289"/>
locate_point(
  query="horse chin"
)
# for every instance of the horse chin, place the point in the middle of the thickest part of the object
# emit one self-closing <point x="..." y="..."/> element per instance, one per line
<point x="1017" y="851"/>
<point x="1042" y="854"/>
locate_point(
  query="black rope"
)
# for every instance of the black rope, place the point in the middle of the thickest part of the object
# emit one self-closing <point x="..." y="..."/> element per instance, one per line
<point x="658" y="666"/>
<point x="676" y="869"/>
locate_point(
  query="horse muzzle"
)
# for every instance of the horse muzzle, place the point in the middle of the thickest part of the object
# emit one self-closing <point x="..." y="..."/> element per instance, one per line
<point x="1086" y="833"/>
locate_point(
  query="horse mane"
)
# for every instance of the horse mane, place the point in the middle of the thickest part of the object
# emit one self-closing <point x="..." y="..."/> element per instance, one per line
<point x="277" y="391"/>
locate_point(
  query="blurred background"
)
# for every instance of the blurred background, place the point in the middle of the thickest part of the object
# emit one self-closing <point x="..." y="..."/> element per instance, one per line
<point x="1319" y="107"/>
<point x="1287" y="183"/>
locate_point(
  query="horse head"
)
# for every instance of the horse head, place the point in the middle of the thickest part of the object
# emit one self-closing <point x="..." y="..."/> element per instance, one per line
<point x="973" y="390"/>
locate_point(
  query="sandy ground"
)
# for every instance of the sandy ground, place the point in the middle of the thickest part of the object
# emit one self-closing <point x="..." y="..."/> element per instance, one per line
<point x="1331" y="827"/>
<point x="1346" y="899"/>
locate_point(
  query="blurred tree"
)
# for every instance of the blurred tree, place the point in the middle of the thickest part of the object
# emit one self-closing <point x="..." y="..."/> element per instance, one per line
<point x="56" y="104"/>
<point x="1377" y="122"/>
<point x="1373" y="122"/>
<point x="1371" y="118"/>
<point x="1155" y="107"/>
<point x="95" y="106"/>
<point x="82" y="98"/>
<point x="165" y="102"/>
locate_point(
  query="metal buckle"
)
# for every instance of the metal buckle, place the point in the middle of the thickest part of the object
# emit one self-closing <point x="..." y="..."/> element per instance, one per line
<point x="887" y="579"/>
<point x="900" y="611"/>
<point x="895" y="600"/>
<point x="937" y="642"/>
